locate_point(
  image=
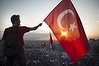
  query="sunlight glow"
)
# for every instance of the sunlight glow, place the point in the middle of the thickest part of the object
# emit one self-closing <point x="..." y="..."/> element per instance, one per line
<point x="64" y="33"/>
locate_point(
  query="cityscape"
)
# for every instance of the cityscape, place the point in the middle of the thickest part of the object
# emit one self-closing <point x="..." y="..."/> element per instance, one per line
<point x="40" y="53"/>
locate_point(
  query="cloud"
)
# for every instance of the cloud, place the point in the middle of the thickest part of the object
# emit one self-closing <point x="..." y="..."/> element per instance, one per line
<point x="36" y="36"/>
<point x="97" y="21"/>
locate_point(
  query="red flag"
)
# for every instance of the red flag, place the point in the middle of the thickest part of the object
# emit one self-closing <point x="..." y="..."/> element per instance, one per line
<point x="67" y="27"/>
<point x="51" y="41"/>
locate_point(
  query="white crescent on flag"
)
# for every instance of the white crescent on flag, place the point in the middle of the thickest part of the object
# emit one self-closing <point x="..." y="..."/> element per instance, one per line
<point x="62" y="15"/>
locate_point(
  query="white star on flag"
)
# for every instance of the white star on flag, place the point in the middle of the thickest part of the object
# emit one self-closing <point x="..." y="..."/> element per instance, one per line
<point x="72" y="26"/>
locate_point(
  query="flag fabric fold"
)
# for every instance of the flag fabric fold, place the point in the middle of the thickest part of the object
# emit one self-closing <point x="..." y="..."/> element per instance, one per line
<point x="68" y="29"/>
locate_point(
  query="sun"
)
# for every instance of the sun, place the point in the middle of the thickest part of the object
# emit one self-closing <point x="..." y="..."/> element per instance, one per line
<point x="64" y="33"/>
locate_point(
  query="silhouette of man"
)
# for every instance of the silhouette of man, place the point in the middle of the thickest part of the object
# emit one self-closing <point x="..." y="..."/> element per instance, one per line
<point x="15" y="19"/>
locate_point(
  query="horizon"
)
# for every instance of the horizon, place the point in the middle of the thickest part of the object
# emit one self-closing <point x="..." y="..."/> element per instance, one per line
<point x="44" y="36"/>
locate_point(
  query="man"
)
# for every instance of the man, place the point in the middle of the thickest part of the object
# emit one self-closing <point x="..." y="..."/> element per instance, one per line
<point x="15" y="19"/>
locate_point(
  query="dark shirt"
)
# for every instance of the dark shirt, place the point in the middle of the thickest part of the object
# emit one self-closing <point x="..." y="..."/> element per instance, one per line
<point x="21" y="31"/>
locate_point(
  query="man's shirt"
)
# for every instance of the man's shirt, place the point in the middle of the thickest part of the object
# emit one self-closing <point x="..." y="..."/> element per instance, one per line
<point x="21" y="31"/>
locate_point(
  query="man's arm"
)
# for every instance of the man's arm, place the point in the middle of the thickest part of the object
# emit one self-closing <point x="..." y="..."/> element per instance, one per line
<point x="34" y="28"/>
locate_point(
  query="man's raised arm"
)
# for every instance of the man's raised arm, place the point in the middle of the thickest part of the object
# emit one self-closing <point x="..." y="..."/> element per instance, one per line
<point x="34" y="28"/>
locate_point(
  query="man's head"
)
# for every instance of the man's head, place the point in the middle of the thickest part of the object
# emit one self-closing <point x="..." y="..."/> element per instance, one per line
<point x="15" y="19"/>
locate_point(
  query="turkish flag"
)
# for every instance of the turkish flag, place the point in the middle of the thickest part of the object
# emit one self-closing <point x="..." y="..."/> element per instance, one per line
<point x="67" y="28"/>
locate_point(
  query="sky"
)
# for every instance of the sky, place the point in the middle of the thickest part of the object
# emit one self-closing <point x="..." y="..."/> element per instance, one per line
<point x="33" y="12"/>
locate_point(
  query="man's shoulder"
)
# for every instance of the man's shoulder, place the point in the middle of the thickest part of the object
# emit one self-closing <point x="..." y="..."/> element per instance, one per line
<point x="8" y="28"/>
<point x="24" y="28"/>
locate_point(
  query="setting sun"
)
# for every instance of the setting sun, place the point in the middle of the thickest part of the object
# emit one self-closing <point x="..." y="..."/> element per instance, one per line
<point x="64" y="33"/>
